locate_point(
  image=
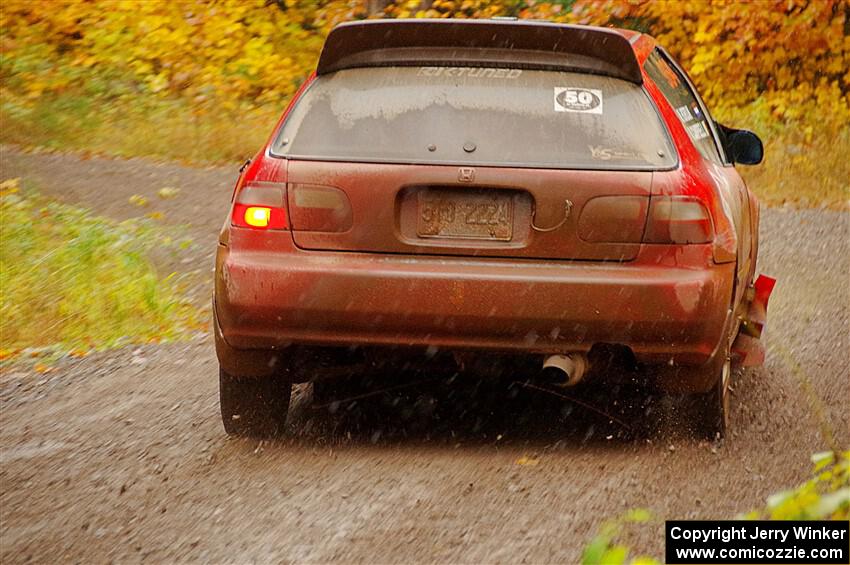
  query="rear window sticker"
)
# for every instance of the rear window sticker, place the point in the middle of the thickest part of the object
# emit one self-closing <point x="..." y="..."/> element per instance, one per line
<point x="684" y="114"/>
<point x="475" y="72"/>
<point x="697" y="131"/>
<point x="603" y="153"/>
<point x="695" y="110"/>
<point x="581" y="100"/>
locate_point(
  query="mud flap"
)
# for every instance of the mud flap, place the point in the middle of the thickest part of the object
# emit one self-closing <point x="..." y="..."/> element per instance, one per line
<point x="748" y="349"/>
<point x="243" y="362"/>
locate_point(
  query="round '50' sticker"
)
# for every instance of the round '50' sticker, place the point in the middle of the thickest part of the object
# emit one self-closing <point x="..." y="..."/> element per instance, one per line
<point x="573" y="99"/>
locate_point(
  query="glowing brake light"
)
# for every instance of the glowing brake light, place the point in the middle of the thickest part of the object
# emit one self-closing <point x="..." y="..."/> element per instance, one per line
<point x="257" y="217"/>
<point x="260" y="206"/>
<point x="262" y="217"/>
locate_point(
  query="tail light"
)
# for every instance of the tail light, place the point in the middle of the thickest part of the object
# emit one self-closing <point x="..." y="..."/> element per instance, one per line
<point x="259" y="205"/>
<point x="319" y="208"/>
<point x="678" y="219"/>
<point x="613" y="219"/>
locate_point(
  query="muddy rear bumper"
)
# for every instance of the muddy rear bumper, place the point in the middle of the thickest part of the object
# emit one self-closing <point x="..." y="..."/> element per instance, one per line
<point x="663" y="312"/>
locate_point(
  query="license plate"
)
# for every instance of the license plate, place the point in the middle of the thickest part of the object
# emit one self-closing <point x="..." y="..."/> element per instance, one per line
<point x="465" y="215"/>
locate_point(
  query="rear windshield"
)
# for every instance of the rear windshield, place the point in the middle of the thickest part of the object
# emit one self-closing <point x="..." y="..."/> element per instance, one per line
<point x="481" y="116"/>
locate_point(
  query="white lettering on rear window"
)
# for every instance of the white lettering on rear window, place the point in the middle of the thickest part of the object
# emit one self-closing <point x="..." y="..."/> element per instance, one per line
<point x="474" y="72"/>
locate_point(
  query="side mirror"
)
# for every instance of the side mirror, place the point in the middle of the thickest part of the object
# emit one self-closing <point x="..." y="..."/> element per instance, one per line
<point x="742" y="146"/>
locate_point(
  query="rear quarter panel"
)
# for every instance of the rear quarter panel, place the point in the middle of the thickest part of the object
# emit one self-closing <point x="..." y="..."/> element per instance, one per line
<point x="719" y="187"/>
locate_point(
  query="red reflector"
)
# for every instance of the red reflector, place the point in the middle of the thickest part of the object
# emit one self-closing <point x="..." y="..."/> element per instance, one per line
<point x="678" y="219"/>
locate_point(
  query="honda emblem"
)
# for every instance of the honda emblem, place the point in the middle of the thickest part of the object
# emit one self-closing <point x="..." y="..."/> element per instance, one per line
<point x="466" y="174"/>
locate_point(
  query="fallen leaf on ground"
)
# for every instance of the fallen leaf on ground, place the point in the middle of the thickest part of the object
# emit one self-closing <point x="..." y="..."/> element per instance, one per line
<point x="138" y="200"/>
<point x="167" y="192"/>
<point x="7" y="354"/>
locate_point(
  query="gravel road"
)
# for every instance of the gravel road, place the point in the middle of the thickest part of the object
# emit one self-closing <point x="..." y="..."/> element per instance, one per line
<point x="121" y="456"/>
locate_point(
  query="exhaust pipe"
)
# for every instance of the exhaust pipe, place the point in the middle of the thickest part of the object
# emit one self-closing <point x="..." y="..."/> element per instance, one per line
<point x="568" y="369"/>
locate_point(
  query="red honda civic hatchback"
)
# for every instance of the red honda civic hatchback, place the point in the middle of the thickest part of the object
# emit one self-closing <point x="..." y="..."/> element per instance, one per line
<point x="493" y="188"/>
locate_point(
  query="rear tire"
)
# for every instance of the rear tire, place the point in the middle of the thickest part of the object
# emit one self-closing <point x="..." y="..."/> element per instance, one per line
<point x="711" y="409"/>
<point x="254" y="406"/>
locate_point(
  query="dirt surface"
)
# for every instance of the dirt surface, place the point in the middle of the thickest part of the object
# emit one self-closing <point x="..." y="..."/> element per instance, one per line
<point x="121" y="456"/>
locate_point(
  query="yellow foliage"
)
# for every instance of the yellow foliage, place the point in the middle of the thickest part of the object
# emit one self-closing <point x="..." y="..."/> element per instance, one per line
<point x="229" y="50"/>
<point x="202" y="79"/>
<point x="793" y="53"/>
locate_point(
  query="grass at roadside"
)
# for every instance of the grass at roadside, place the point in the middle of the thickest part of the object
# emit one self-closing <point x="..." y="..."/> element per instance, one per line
<point x="136" y="126"/>
<point x="805" y="163"/>
<point x="72" y="281"/>
<point x="826" y="496"/>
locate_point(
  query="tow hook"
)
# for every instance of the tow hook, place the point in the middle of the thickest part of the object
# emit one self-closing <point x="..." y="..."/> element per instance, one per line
<point x="748" y="347"/>
<point x="752" y="323"/>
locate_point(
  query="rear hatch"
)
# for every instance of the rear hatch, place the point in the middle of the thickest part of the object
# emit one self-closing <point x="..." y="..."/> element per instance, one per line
<point x="472" y="161"/>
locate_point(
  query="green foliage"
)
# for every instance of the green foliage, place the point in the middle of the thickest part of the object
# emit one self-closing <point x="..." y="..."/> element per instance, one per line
<point x="81" y="282"/>
<point x="603" y="547"/>
<point x="169" y="128"/>
<point x="826" y="496"/>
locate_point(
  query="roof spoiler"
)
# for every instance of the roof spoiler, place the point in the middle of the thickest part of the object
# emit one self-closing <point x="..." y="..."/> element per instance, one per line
<point x="473" y="43"/>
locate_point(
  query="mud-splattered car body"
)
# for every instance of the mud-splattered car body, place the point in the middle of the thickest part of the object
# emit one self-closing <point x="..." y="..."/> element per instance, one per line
<point x="566" y="189"/>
